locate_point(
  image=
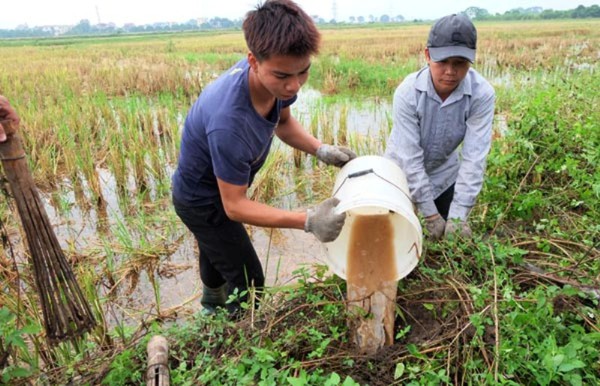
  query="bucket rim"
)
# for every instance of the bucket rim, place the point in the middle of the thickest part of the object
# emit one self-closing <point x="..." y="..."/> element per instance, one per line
<point x="343" y="207"/>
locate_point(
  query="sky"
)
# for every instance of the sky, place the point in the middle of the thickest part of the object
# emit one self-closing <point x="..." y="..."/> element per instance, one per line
<point x="70" y="12"/>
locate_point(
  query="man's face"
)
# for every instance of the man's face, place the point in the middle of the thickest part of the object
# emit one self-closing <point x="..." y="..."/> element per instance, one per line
<point x="447" y="74"/>
<point x="282" y="76"/>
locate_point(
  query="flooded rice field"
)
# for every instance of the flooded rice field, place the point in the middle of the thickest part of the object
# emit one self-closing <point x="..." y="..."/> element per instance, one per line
<point x="166" y="281"/>
<point x="145" y="272"/>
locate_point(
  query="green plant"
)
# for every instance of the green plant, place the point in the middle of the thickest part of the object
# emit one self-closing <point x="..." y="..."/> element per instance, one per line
<point x="12" y="342"/>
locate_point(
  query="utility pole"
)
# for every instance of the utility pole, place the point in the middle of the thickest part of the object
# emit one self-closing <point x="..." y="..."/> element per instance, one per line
<point x="98" y="14"/>
<point x="334" y="10"/>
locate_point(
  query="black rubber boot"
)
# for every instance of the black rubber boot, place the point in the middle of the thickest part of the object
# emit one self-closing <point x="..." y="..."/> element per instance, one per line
<point x="213" y="298"/>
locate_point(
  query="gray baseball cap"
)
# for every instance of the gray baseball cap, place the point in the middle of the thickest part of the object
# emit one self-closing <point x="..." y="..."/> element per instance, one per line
<point x="452" y="35"/>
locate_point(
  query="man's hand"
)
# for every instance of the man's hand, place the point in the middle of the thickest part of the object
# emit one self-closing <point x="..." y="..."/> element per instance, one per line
<point x="7" y="113"/>
<point x="335" y="155"/>
<point x="323" y="222"/>
<point x="435" y="226"/>
<point x="458" y="227"/>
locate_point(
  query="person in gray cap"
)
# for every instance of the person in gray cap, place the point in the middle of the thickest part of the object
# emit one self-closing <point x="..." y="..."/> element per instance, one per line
<point x="442" y="106"/>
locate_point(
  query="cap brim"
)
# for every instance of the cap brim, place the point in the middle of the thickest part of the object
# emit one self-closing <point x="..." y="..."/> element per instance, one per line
<point x="438" y="54"/>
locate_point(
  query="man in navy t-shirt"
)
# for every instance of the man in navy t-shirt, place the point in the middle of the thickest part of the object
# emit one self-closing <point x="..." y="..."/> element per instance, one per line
<point x="226" y="139"/>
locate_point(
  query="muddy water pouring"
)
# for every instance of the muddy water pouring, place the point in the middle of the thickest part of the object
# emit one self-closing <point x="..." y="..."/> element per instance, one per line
<point x="381" y="243"/>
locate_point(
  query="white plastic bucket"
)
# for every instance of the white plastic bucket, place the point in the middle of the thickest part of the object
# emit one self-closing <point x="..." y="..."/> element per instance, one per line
<point x="374" y="185"/>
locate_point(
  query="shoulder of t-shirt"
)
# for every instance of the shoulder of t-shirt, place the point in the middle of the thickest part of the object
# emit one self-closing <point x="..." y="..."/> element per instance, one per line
<point x="234" y="73"/>
<point x="224" y="122"/>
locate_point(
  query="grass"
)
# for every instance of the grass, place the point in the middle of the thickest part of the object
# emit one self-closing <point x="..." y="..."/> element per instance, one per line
<point x="101" y="124"/>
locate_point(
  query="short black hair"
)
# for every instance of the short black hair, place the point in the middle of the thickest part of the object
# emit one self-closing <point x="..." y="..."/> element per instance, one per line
<point x="280" y="27"/>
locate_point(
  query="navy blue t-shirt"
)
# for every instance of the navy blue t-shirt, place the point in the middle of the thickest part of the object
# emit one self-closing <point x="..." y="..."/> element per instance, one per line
<point x="223" y="137"/>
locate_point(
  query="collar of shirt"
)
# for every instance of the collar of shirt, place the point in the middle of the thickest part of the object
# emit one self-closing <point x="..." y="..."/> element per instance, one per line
<point x="424" y="83"/>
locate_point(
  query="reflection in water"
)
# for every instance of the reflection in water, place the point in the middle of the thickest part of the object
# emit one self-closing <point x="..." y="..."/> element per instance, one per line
<point x="176" y="276"/>
<point x="368" y="117"/>
<point x="281" y="254"/>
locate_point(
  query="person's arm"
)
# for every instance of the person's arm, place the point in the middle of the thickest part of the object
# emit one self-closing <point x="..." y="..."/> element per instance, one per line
<point x="240" y="208"/>
<point x="475" y="148"/>
<point x="7" y="112"/>
<point x="404" y="147"/>
<point x="321" y="220"/>
<point x="292" y="133"/>
<point x="232" y="157"/>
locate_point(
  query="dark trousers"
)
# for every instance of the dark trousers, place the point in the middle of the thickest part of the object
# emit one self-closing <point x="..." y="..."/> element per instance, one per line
<point x="443" y="202"/>
<point x="226" y="252"/>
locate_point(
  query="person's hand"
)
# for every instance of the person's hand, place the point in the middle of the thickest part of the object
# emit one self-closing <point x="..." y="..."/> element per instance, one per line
<point x="335" y="155"/>
<point x="458" y="227"/>
<point x="435" y="226"/>
<point x="7" y="113"/>
<point x="323" y="222"/>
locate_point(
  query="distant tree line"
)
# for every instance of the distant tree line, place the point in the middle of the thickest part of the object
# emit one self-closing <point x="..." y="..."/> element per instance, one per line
<point x="84" y="27"/>
<point x="581" y="12"/>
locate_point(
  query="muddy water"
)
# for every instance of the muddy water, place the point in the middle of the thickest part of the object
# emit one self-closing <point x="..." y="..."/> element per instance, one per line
<point x="372" y="284"/>
<point x="369" y="117"/>
<point x="371" y="252"/>
<point x="281" y="251"/>
<point x="176" y="275"/>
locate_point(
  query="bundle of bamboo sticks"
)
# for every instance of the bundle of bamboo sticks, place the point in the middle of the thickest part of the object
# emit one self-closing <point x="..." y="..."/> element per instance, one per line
<point x="66" y="311"/>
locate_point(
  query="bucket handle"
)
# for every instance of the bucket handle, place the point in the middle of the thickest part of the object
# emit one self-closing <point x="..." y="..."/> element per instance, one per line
<point x="369" y="171"/>
<point x="361" y="173"/>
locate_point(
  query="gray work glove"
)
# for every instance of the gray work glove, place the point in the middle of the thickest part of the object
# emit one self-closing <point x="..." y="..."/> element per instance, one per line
<point x="323" y="222"/>
<point x="435" y="226"/>
<point x="458" y="227"/>
<point x="335" y="155"/>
